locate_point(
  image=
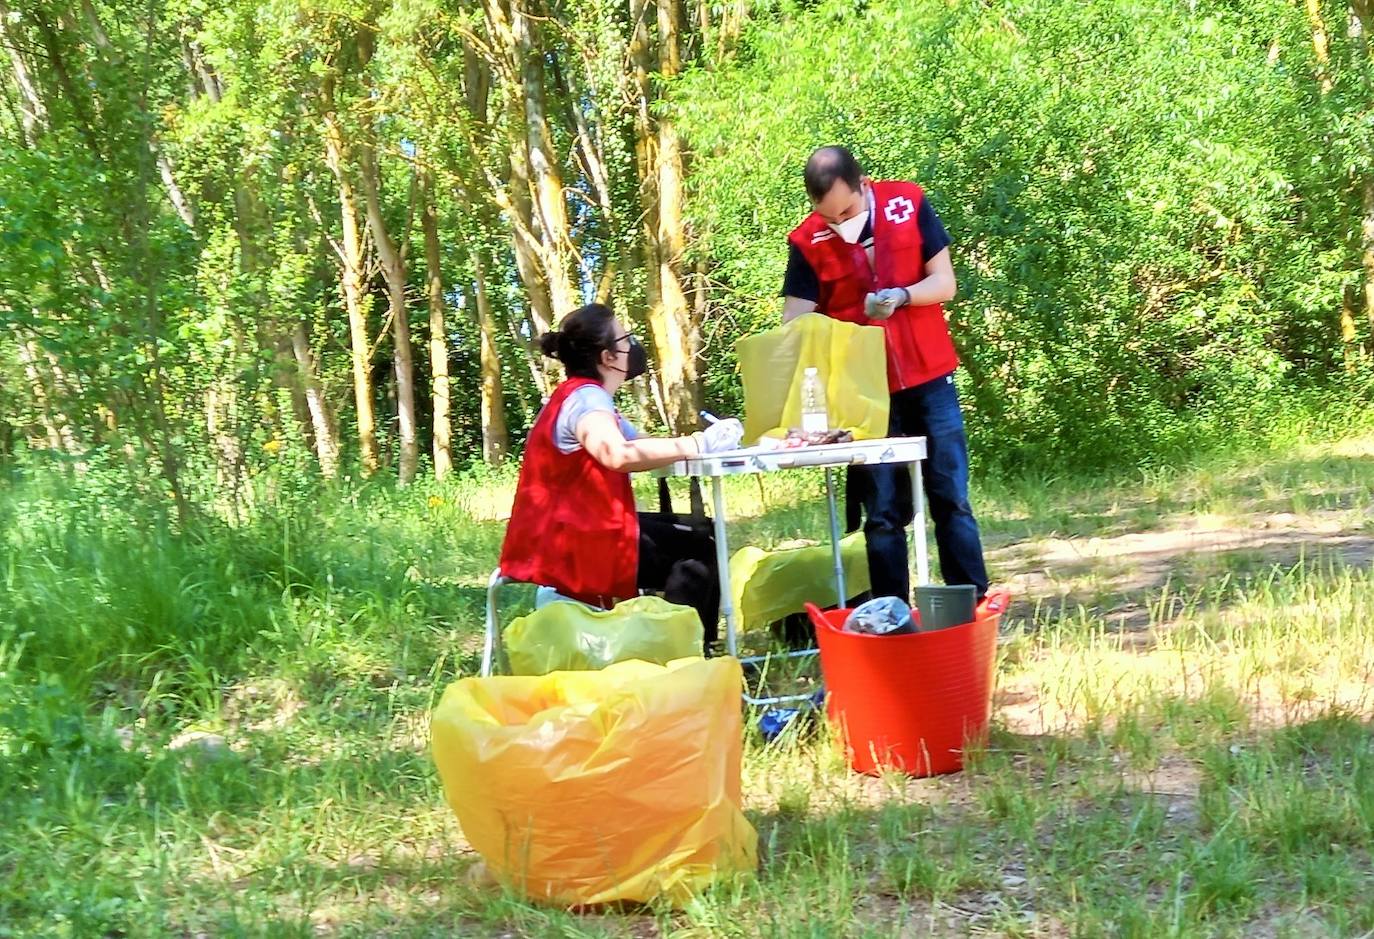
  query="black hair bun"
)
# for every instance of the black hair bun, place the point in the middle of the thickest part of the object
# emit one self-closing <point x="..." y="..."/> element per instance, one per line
<point x="550" y="342"/>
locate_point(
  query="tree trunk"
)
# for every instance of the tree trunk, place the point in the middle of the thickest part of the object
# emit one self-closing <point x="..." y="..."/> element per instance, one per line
<point x="513" y="199"/>
<point x="269" y="334"/>
<point x="221" y="419"/>
<point x="1350" y="333"/>
<point x="700" y="303"/>
<point x="588" y="148"/>
<point x="438" y="332"/>
<point x="393" y="263"/>
<point x="1321" y="51"/>
<point x="394" y="273"/>
<point x="286" y="377"/>
<point x="1363" y="13"/>
<point x="732" y="25"/>
<point x="1320" y="43"/>
<point x="645" y="146"/>
<point x="590" y="155"/>
<point x="351" y="257"/>
<point x="545" y="178"/>
<point x="321" y="415"/>
<point x="495" y="436"/>
<point x="34" y="113"/>
<point x="476" y="84"/>
<point x="682" y="387"/>
<point x="531" y="361"/>
<point x="659" y="160"/>
<point x="54" y="427"/>
<point x="175" y="195"/>
<point x="529" y="262"/>
<point x="531" y="192"/>
<point x="673" y="327"/>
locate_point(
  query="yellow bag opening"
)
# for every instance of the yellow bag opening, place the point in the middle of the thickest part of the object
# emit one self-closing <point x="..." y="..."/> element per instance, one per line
<point x="769" y="585"/>
<point x="593" y="787"/>
<point x="566" y="636"/>
<point x="851" y="360"/>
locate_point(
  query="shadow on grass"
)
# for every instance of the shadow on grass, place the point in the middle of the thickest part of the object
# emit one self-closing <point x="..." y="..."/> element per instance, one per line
<point x="1083" y="508"/>
<point x="1137" y="582"/>
<point x="1132" y="830"/>
<point x="1098" y="834"/>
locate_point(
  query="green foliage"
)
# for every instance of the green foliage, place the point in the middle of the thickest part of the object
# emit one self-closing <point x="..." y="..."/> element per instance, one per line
<point x="1156" y="211"/>
<point x="1151" y="234"/>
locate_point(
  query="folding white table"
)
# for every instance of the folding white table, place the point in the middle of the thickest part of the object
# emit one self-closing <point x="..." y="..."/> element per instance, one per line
<point x="716" y="466"/>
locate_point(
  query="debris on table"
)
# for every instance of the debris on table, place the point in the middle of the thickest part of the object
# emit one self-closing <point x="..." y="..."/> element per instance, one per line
<point x="796" y="437"/>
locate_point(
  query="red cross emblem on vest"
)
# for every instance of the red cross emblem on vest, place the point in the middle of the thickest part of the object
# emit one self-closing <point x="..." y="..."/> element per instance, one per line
<point x="899" y="209"/>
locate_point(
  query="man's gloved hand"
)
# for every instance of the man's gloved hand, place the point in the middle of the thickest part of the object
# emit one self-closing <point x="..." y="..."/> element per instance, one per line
<point x="721" y="436"/>
<point x="881" y="305"/>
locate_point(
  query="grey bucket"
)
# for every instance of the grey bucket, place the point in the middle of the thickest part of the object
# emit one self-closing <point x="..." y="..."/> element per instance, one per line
<point x="944" y="606"/>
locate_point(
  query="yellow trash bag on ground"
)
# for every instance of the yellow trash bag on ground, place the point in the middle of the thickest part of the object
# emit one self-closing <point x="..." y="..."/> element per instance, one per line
<point x="851" y="360"/>
<point x="592" y="787"/>
<point x="567" y="636"/>
<point x="769" y="585"/>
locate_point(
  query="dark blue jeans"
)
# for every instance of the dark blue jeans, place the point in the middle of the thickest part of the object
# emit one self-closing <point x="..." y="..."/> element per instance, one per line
<point x="932" y="411"/>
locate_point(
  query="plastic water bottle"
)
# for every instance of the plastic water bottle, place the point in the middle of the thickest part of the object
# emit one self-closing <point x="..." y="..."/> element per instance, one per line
<point x="815" y="418"/>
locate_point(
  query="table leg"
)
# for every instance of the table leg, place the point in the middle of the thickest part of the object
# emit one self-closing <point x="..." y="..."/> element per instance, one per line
<point x="836" y="551"/>
<point x="918" y="526"/>
<point x="727" y="599"/>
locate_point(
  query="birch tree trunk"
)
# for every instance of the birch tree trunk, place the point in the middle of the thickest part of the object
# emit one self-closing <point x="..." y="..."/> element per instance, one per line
<point x="1362" y="22"/>
<point x="54" y="425"/>
<point x="438" y="331"/>
<point x="680" y="338"/>
<point x="495" y="436"/>
<point x="660" y="164"/>
<point x="321" y="415"/>
<point x="221" y="426"/>
<point x="546" y="181"/>
<point x="351" y="260"/>
<point x="529" y="189"/>
<point x="394" y="273"/>
<point x="33" y="111"/>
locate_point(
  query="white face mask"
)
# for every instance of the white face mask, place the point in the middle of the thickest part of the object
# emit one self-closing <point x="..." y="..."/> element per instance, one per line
<point x="851" y="228"/>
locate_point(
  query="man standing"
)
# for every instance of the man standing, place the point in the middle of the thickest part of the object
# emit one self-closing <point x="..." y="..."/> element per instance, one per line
<point x="875" y="253"/>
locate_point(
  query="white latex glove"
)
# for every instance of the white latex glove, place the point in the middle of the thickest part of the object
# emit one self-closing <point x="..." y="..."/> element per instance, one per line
<point x="881" y="305"/>
<point x="721" y="436"/>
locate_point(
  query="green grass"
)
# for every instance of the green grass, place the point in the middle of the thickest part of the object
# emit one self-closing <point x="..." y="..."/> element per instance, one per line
<point x="1209" y="773"/>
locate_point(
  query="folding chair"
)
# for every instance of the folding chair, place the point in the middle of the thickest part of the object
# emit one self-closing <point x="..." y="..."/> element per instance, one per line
<point x="491" y="645"/>
<point x="493" y="625"/>
<point x="545" y="595"/>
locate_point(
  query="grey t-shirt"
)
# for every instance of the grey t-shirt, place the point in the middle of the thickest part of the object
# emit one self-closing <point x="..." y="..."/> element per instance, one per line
<point x="585" y="400"/>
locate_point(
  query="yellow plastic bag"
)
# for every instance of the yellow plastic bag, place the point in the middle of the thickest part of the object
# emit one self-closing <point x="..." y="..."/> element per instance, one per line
<point x="566" y="636"/>
<point x="769" y="585"/>
<point x="592" y="787"/>
<point x="851" y="360"/>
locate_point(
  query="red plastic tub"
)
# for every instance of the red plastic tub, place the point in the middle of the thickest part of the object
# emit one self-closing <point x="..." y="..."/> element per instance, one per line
<point x="912" y="702"/>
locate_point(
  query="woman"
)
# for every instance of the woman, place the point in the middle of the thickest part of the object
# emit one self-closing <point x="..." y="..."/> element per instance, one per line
<point x="573" y="525"/>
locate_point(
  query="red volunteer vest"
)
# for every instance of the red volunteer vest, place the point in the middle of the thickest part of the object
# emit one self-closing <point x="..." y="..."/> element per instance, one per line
<point x="573" y="526"/>
<point x="918" y="344"/>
